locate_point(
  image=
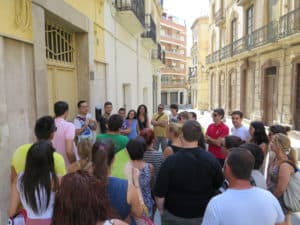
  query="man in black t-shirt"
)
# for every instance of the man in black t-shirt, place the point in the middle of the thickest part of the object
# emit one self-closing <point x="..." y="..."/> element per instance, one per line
<point x="187" y="181"/>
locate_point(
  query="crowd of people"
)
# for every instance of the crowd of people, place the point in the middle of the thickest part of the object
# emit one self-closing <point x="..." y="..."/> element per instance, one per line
<point x="121" y="169"/>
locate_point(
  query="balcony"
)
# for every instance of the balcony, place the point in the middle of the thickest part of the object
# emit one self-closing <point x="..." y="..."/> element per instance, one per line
<point x="172" y="40"/>
<point x="158" y="57"/>
<point x="131" y="15"/>
<point x="173" y="82"/>
<point x="287" y="26"/>
<point x="149" y="35"/>
<point x="220" y="17"/>
<point x="175" y="55"/>
<point x="173" y="70"/>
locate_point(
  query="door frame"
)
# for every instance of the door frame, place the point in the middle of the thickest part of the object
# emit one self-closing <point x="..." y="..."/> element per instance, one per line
<point x="293" y="100"/>
<point x="268" y="64"/>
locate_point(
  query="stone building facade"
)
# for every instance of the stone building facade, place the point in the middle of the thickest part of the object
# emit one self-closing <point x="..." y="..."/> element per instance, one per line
<point x="198" y="77"/>
<point x="254" y="59"/>
<point x="70" y="50"/>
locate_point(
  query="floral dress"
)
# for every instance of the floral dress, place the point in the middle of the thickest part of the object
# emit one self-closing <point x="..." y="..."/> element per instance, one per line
<point x="145" y="184"/>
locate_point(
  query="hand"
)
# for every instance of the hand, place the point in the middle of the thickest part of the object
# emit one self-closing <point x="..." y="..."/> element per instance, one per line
<point x="86" y="123"/>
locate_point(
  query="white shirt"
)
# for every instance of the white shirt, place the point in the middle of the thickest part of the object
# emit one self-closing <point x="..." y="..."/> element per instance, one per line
<point x="242" y="132"/>
<point x="259" y="179"/>
<point x="47" y="213"/>
<point x="253" y="206"/>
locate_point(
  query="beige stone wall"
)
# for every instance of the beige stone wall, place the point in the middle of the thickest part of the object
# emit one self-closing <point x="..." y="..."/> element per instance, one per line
<point x="17" y="107"/>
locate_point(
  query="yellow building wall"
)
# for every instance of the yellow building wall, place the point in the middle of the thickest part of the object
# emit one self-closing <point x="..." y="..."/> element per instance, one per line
<point x="16" y="19"/>
<point x="93" y="9"/>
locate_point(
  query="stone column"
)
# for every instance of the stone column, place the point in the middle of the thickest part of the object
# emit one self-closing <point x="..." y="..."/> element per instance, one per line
<point x="40" y="61"/>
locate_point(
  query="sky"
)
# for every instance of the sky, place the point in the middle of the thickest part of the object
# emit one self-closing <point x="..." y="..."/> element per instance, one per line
<point x="187" y="10"/>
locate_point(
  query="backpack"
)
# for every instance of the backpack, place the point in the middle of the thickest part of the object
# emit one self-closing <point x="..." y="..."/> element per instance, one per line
<point x="291" y="197"/>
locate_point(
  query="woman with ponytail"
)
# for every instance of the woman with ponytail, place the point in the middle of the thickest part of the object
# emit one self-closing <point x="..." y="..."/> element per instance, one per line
<point x="284" y="167"/>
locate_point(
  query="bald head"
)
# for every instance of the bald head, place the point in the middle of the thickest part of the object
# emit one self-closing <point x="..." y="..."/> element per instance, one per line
<point x="241" y="163"/>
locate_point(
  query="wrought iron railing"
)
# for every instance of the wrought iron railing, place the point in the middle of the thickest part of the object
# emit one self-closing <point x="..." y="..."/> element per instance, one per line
<point x="288" y="24"/>
<point x="136" y="6"/>
<point x="150" y="31"/>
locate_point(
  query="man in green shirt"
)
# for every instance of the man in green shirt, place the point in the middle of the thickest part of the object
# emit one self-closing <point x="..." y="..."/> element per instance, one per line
<point x="114" y="125"/>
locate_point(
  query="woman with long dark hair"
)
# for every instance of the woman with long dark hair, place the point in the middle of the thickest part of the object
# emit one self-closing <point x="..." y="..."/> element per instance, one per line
<point x="258" y="135"/>
<point x="122" y="194"/>
<point x="82" y="199"/>
<point x="132" y="124"/>
<point x="36" y="187"/>
<point x="142" y="118"/>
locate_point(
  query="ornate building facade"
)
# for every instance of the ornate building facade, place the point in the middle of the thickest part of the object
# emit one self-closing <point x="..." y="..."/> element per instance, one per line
<point x="254" y="59"/>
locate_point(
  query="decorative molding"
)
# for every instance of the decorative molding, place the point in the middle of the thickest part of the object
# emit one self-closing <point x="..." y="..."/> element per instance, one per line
<point x="23" y="15"/>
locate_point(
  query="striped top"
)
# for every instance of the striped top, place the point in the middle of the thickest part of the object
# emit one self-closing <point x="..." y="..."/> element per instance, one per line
<point x="155" y="158"/>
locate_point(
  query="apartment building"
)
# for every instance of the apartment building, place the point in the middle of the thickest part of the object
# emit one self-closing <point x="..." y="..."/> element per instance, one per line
<point x="254" y="59"/>
<point x="174" y="74"/>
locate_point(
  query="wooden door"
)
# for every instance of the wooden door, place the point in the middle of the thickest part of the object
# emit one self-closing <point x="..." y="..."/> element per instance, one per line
<point x="270" y="96"/>
<point x="62" y="86"/>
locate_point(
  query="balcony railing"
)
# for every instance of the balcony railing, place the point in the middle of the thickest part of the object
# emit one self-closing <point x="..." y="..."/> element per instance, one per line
<point x="173" y="70"/>
<point x="137" y="6"/>
<point x="150" y="31"/>
<point x="287" y="25"/>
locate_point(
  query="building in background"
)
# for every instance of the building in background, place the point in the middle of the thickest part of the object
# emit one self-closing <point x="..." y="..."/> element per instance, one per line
<point x="198" y="77"/>
<point x="72" y="50"/>
<point x="254" y="59"/>
<point x="174" y="74"/>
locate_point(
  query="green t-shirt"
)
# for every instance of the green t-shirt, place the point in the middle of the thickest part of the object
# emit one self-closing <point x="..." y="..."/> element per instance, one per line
<point x="119" y="140"/>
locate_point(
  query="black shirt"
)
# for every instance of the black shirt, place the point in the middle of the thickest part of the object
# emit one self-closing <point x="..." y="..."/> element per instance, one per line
<point x="188" y="180"/>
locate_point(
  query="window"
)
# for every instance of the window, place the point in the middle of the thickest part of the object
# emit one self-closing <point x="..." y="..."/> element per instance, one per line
<point x="234" y="30"/>
<point x="249" y="24"/>
<point x="59" y="44"/>
<point x="250" y="19"/>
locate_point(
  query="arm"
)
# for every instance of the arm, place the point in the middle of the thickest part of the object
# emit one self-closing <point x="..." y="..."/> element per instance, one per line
<point x="285" y="172"/>
<point x="160" y="204"/>
<point x="216" y="142"/>
<point x="167" y="152"/>
<point x="69" y="150"/>
<point x="92" y="124"/>
<point x="163" y="123"/>
<point x="14" y="199"/>
<point x="264" y="148"/>
<point x="13" y="174"/>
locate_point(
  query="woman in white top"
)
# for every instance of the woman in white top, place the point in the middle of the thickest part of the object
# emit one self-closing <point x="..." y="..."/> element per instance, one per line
<point x="82" y="199"/>
<point x="35" y="187"/>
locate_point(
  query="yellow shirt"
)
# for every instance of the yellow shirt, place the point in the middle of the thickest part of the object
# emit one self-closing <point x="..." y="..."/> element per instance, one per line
<point x="19" y="159"/>
<point x="158" y="130"/>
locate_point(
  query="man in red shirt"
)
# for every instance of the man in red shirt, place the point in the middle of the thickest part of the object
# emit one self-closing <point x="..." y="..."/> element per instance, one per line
<point x="215" y="133"/>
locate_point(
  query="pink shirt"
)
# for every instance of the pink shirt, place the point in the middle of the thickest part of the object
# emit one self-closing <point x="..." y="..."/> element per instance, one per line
<point x="65" y="131"/>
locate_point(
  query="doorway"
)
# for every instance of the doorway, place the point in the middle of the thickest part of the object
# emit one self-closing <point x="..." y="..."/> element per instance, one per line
<point x="126" y="96"/>
<point x="270" y="95"/>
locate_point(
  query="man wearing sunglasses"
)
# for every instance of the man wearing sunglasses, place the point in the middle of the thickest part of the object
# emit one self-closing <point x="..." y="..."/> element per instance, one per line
<point x="160" y="123"/>
<point x="215" y="133"/>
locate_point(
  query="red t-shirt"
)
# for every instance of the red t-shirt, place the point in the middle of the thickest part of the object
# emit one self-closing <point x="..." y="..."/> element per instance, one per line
<point x="217" y="131"/>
